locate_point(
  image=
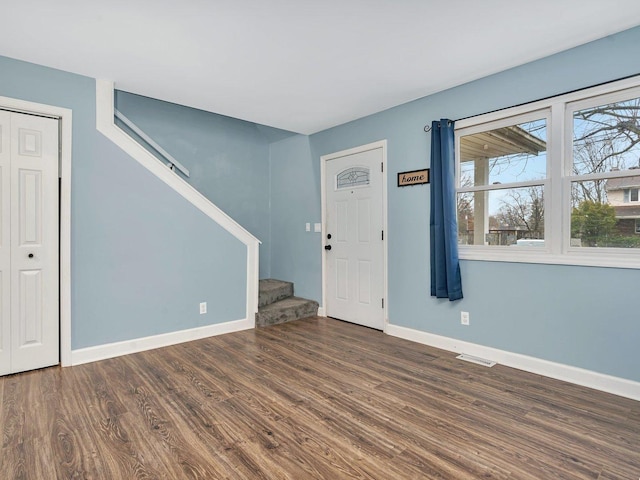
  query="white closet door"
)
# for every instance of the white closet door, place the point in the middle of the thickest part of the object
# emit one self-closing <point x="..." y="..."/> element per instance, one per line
<point x="34" y="242"/>
<point x="5" y="243"/>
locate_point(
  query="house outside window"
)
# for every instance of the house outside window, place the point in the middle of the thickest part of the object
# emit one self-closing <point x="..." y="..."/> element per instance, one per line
<point x="622" y="194"/>
<point x="556" y="181"/>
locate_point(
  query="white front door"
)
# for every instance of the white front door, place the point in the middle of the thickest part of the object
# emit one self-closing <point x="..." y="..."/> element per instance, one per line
<point x="29" y="292"/>
<point x="353" y="237"/>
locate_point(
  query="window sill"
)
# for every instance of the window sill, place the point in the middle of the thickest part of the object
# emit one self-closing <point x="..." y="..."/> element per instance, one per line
<point x="611" y="258"/>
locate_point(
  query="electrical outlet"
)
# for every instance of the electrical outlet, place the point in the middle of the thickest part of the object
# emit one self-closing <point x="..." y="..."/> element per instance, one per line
<point x="203" y="308"/>
<point x="464" y="318"/>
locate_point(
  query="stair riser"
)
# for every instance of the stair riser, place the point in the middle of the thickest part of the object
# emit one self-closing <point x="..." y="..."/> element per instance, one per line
<point x="283" y="315"/>
<point x="273" y="295"/>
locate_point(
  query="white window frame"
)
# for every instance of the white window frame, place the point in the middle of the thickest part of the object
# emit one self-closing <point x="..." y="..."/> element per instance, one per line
<point x="544" y="114"/>
<point x="557" y="193"/>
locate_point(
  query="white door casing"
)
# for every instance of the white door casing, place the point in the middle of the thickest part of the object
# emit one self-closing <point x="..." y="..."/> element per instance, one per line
<point x="5" y="243"/>
<point x="354" y="269"/>
<point x="30" y="292"/>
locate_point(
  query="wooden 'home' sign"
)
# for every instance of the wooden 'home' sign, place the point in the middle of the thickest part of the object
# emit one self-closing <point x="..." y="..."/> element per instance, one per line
<point x="414" y="177"/>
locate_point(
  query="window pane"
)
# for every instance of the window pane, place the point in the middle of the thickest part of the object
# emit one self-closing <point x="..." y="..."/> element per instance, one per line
<point x="511" y="154"/>
<point x="513" y="216"/>
<point x="606" y="138"/>
<point x="352" y="177"/>
<point x="601" y="216"/>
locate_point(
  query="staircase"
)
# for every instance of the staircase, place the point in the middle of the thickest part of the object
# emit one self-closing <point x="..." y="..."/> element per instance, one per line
<point x="276" y="304"/>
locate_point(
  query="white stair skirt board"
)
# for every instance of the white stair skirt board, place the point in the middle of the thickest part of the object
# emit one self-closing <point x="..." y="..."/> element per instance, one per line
<point x="126" y="347"/>
<point x="587" y="378"/>
<point x="106" y="125"/>
<point x="477" y="360"/>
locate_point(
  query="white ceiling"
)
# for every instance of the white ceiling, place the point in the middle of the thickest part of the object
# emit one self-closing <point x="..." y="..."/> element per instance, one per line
<point x="299" y="65"/>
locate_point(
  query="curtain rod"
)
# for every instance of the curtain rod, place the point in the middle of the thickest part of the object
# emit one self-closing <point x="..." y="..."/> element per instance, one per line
<point x="427" y="128"/>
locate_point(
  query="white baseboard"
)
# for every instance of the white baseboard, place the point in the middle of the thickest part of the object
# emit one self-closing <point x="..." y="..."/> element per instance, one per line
<point x="579" y="376"/>
<point x="321" y="312"/>
<point x="110" y="350"/>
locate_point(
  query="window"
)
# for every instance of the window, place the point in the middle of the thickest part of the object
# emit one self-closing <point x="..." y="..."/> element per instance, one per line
<point x="556" y="181"/>
<point x="502" y="180"/>
<point x="352" y="177"/>
<point x="630" y="195"/>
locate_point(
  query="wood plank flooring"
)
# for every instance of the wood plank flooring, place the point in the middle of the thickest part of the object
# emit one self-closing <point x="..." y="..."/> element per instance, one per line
<point x="315" y="398"/>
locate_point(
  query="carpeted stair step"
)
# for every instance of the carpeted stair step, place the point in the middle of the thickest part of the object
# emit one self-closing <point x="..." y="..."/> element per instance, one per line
<point x="286" y="310"/>
<point x="271" y="291"/>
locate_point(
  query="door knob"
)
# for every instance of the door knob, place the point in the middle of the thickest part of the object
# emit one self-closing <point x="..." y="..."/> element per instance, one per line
<point x="327" y="247"/>
<point x="31" y="255"/>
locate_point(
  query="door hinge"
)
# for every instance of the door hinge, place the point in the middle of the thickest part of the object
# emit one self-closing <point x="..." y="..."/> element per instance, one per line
<point x="382" y="166"/>
<point x="383" y="303"/>
<point x="382" y="234"/>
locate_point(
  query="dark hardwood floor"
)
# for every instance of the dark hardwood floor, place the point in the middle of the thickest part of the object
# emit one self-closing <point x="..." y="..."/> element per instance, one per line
<point x="316" y="398"/>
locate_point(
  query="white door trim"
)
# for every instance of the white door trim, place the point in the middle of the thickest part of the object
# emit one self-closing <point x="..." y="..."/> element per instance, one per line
<point x="382" y="144"/>
<point x="64" y="116"/>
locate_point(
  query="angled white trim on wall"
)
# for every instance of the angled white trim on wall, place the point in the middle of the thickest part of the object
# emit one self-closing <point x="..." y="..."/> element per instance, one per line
<point x="126" y="347"/>
<point x="65" y="118"/>
<point x="105" y="123"/>
<point x="579" y="376"/>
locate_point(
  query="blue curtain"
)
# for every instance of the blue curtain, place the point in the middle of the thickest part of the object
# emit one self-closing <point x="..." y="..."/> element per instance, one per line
<point x="445" y="267"/>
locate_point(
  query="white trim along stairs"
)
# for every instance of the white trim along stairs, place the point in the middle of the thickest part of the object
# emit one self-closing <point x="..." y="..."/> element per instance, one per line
<point x="105" y="124"/>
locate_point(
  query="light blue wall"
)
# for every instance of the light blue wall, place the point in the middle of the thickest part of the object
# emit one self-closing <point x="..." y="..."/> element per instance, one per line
<point x="142" y="257"/>
<point x="581" y="316"/>
<point x="228" y="159"/>
<point x="295" y="190"/>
